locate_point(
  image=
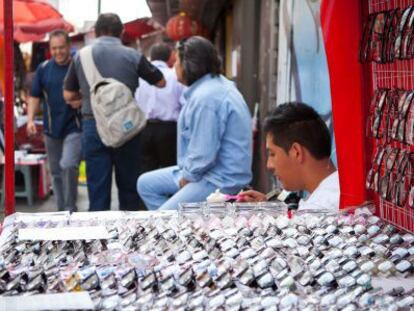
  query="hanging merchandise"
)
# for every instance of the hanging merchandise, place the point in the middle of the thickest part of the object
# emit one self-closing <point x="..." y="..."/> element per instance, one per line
<point x="390" y="121"/>
<point x="391" y="117"/>
<point x="388" y="35"/>
<point x="387" y="44"/>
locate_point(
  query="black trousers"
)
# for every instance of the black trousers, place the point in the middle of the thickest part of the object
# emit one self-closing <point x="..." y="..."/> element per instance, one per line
<point x="158" y="145"/>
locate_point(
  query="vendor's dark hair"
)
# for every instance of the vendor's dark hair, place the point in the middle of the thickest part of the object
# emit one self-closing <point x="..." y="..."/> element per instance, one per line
<point x="109" y="24"/>
<point x="198" y="57"/>
<point x="297" y="122"/>
<point x="160" y="51"/>
<point x="58" y="33"/>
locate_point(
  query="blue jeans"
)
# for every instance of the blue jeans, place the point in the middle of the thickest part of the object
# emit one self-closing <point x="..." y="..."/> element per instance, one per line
<point x="99" y="162"/>
<point x="160" y="189"/>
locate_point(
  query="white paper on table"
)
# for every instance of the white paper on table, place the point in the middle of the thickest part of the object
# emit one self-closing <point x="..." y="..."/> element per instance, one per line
<point x="64" y="301"/>
<point x="32" y="157"/>
<point x="30" y="217"/>
<point x="388" y="283"/>
<point x="147" y="214"/>
<point x="102" y="215"/>
<point x="64" y="233"/>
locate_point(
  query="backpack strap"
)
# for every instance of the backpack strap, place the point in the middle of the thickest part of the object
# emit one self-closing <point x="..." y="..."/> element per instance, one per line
<point x="88" y="64"/>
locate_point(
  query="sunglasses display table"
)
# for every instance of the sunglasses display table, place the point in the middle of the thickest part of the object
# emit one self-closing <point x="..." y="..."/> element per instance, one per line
<point x="237" y="257"/>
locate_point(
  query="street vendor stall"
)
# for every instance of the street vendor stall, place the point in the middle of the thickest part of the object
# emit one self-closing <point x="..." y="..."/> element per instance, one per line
<point x="244" y="256"/>
<point x="370" y="55"/>
<point x="206" y="256"/>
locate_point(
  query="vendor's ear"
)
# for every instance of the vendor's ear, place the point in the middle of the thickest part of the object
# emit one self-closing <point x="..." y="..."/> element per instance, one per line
<point x="296" y="152"/>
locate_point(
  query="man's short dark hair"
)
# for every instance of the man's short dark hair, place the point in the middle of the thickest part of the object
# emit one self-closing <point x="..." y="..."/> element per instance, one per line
<point x="198" y="57"/>
<point x="297" y="122"/>
<point x="58" y="33"/>
<point x="109" y="24"/>
<point x="160" y="51"/>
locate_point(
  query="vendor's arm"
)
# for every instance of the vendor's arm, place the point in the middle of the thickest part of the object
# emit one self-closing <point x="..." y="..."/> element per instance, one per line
<point x="252" y="196"/>
<point x="71" y="88"/>
<point x="206" y="132"/>
<point x="150" y="73"/>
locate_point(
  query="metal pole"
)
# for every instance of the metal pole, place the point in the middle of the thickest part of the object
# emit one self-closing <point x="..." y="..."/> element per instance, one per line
<point x="99" y="7"/>
<point x="9" y="107"/>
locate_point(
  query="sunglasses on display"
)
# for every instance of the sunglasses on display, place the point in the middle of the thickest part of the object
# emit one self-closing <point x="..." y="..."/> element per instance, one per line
<point x="391" y="176"/>
<point x="391" y="116"/>
<point x="387" y="36"/>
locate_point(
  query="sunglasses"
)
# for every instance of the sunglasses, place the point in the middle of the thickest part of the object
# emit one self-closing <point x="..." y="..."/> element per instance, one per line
<point x="378" y="102"/>
<point x="373" y="174"/>
<point x="384" y="183"/>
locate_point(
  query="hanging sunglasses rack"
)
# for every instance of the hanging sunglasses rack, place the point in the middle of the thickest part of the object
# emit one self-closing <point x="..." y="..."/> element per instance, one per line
<point x="388" y="47"/>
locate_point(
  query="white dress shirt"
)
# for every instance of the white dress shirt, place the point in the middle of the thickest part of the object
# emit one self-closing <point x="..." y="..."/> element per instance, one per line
<point x="325" y="196"/>
<point x="161" y="103"/>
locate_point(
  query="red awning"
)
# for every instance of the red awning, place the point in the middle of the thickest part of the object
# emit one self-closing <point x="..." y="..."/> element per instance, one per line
<point x="32" y="19"/>
<point x="135" y="29"/>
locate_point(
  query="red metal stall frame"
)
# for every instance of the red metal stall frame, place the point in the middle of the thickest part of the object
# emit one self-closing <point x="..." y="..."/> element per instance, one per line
<point x="9" y="202"/>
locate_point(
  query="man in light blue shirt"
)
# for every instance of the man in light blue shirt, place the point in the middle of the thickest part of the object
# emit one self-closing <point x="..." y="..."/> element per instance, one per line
<point x="161" y="107"/>
<point x="214" y="135"/>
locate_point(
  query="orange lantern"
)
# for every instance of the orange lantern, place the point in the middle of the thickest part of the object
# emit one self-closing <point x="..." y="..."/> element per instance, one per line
<point x="181" y="26"/>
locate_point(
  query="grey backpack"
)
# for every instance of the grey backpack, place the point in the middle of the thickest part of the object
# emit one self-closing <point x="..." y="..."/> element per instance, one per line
<point x="117" y="115"/>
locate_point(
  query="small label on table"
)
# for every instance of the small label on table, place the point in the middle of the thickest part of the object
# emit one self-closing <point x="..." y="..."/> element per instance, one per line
<point x="64" y="233"/>
<point x="64" y="301"/>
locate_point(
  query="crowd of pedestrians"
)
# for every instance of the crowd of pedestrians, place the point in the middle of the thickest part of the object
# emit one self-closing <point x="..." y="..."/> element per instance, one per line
<point x="197" y="135"/>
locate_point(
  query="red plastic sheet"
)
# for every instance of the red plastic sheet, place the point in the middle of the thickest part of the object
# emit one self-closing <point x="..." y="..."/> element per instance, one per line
<point x="341" y="26"/>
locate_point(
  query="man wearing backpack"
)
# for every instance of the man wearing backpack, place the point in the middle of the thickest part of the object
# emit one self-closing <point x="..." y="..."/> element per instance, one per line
<point x="126" y="65"/>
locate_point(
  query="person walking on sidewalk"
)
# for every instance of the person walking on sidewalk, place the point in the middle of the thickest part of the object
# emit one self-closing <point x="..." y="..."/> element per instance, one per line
<point x="112" y="60"/>
<point x="61" y="122"/>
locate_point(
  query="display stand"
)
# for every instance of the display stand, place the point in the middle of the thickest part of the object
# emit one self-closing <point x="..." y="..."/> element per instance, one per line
<point x="394" y="76"/>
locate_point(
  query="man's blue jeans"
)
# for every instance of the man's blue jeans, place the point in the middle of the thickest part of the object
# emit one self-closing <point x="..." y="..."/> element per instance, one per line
<point x="160" y="189"/>
<point x="99" y="162"/>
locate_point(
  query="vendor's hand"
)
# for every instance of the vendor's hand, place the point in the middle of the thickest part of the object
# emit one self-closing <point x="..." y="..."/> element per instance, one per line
<point x="252" y="196"/>
<point x="183" y="182"/>
<point x="31" y="128"/>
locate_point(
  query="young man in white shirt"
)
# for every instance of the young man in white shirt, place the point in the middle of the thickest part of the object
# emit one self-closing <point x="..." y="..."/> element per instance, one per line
<point x="299" y="148"/>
